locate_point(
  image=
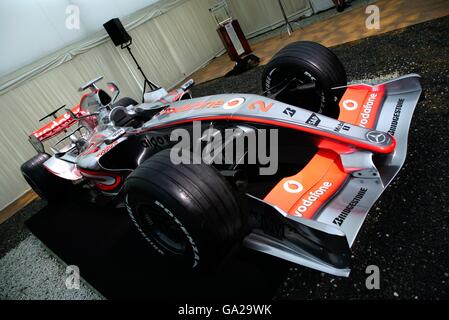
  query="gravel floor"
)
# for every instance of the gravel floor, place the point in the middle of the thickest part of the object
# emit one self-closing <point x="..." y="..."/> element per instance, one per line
<point x="407" y="232"/>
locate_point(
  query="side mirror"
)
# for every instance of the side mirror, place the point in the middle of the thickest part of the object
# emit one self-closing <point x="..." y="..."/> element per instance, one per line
<point x="114" y="89"/>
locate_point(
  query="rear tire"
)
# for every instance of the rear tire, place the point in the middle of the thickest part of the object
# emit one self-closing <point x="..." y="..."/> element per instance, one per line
<point x="309" y="63"/>
<point x="187" y="212"/>
<point x="44" y="183"/>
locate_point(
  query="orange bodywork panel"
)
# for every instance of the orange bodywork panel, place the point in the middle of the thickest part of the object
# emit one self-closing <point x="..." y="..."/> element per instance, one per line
<point x="360" y="105"/>
<point x="305" y="192"/>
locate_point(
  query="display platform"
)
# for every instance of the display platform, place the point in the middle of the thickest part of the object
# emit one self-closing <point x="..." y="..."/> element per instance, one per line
<point x="114" y="259"/>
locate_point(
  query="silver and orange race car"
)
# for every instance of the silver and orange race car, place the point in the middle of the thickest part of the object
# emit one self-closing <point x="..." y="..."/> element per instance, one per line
<point x="195" y="174"/>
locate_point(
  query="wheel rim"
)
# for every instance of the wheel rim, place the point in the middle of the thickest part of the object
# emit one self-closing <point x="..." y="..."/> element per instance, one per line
<point x="312" y="99"/>
<point x="162" y="228"/>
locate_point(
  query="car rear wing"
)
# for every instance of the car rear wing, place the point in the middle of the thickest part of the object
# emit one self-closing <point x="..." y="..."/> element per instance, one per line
<point x="321" y="238"/>
<point x="53" y="128"/>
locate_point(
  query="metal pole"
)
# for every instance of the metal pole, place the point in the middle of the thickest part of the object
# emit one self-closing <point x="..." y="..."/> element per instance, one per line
<point x="152" y="85"/>
<point x="287" y="23"/>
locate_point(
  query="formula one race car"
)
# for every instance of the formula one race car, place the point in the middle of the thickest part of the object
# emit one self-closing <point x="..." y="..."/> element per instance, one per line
<point x="195" y="175"/>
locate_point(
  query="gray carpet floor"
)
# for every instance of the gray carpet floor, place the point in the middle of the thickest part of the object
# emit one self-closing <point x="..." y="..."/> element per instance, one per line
<point x="30" y="272"/>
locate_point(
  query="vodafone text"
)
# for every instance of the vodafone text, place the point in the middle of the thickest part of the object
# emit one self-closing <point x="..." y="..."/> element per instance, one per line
<point x="310" y="198"/>
<point x="366" y="111"/>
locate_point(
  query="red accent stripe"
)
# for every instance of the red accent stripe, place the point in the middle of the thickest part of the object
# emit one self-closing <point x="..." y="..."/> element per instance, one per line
<point x="102" y="186"/>
<point x="361" y="145"/>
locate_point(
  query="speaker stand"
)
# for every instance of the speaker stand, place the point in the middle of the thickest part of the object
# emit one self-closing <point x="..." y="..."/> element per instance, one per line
<point x="146" y="82"/>
<point x="287" y="23"/>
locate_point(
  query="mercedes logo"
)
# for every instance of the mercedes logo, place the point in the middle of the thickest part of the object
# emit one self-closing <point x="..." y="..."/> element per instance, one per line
<point x="376" y="136"/>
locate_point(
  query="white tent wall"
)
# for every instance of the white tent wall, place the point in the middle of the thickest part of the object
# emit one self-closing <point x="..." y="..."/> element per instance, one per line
<point x="169" y="47"/>
<point x="175" y="44"/>
<point x="35" y="28"/>
<point x="257" y="16"/>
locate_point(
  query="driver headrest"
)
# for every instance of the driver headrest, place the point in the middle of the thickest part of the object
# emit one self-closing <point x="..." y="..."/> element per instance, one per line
<point x="104" y="98"/>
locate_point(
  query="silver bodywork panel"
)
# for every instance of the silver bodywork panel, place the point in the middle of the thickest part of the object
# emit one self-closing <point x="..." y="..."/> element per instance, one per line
<point x="248" y="107"/>
<point x="63" y="169"/>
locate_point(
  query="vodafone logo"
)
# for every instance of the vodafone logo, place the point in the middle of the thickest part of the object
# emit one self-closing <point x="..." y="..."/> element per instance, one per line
<point x="350" y="105"/>
<point x="309" y="199"/>
<point x="366" y="112"/>
<point x="233" y="103"/>
<point x="293" y="186"/>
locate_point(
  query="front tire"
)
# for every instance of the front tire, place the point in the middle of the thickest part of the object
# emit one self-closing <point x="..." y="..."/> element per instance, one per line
<point x="301" y="64"/>
<point x="187" y="212"/>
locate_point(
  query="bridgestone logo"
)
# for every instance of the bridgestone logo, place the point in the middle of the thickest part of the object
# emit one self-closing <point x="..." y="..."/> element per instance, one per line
<point x="131" y="215"/>
<point x="396" y="115"/>
<point x="346" y="211"/>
